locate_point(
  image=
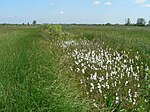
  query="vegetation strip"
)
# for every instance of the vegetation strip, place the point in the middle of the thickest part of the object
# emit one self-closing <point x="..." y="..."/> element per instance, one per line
<point x="30" y="80"/>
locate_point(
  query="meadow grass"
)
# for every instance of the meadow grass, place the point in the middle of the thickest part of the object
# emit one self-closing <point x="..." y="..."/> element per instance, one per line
<point x="105" y="73"/>
<point x="40" y="72"/>
<point x="32" y="79"/>
<point x="116" y="37"/>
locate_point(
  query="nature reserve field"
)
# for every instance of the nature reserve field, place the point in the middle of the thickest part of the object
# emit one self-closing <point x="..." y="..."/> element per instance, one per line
<point x="74" y="68"/>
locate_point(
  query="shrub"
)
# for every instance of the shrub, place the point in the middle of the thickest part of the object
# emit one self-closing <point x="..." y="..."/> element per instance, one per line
<point x="51" y="31"/>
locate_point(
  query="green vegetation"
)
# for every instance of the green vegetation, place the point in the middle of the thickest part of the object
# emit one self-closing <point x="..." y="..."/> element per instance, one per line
<point x="39" y="68"/>
<point x="52" y="32"/>
<point x="117" y="37"/>
<point x="96" y="44"/>
<point x="32" y="78"/>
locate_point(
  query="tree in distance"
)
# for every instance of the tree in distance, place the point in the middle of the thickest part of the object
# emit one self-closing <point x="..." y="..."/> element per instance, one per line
<point x="34" y="22"/>
<point x="141" y="22"/>
<point x="128" y="22"/>
<point x="149" y="23"/>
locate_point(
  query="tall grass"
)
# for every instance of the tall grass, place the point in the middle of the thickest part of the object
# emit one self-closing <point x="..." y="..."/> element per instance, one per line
<point x="32" y="77"/>
<point x="119" y="38"/>
<point x="39" y="70"/>
<point x="92" y="50"/>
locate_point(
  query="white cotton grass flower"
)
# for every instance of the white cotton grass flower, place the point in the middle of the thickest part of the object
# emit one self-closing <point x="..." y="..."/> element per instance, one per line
<point x="146" y="100"/>
<point x="81" y="81"/>
<point x="129" y="93"/>
<point x="82" y="64"/>
<point x="135" y="94"/>
<point x="107" y="86"/>
<point x="134" y="101"/>
<point x="95" y="105"/>
<point x="130" y="100"/>
<point x="91" y="90"/>
<point x="103" y="85"/>
<point x="101" y="79"/>
<point x="117" y="99"/>
<point x="92" y="87"/>
<point x="137" y="57"/>
<point x="147" y="68"/>
<point x="77" y="63"/>
<point x="95" y="76"/>
<point x="98" y="86"/>
<point x="126" y="83"/>
<point x="83" y="71"/>
<point x="107" y="75"/>
<point x="71" y="68"/>
<point x="77" y="69"/>
<point x="138" y="85"/>
<point x="115" y="83"/>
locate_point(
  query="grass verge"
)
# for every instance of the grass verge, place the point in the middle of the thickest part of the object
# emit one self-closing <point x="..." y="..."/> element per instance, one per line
<point x="32" y="76"/>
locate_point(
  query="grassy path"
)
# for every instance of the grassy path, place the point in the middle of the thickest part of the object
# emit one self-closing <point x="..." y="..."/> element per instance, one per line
<point x="29" y="75"/>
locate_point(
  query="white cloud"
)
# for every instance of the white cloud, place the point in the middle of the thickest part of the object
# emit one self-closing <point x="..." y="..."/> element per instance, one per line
<point x="108" y="3"/>
<point x="61" y="12"/>
<point x="146" y="5"/>
<point x="139" y="1"/>
<point x="96" y="2"/>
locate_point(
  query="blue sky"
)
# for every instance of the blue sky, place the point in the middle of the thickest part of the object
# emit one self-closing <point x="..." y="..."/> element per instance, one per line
<point x="73" y="11"/>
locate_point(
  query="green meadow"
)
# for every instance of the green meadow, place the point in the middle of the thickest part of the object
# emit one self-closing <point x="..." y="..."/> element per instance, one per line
<point x="74" y="68"/>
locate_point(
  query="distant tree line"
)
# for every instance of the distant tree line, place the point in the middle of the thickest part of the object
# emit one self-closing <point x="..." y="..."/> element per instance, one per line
<point x="33" y="23"/>
<point x="140" y="22"/>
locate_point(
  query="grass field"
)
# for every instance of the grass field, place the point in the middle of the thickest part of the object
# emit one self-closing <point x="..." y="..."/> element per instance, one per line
<point x="83" y="69"/>
<point x="30" y="76"/>
<point x="117" y="37"/>
<point x="112" y="62"/>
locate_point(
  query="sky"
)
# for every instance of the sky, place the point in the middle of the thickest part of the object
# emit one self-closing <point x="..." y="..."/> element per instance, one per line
<point x="73" y="11"/>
